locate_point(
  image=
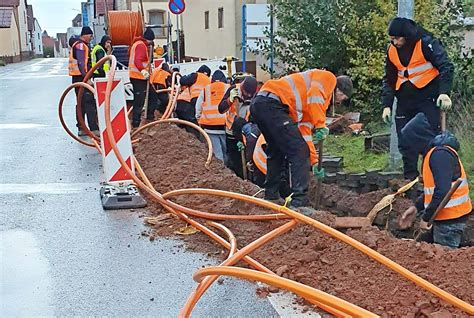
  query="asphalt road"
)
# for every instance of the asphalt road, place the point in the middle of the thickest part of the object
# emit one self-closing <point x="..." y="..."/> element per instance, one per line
<point x="61" y="254"/>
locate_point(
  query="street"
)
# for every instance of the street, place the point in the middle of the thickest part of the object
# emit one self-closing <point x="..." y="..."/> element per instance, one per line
<point x="61" y="253"/>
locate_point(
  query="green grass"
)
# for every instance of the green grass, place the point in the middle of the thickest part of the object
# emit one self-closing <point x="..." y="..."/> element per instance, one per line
<point x="352" y="149"/>
<point x="467" y="156"/>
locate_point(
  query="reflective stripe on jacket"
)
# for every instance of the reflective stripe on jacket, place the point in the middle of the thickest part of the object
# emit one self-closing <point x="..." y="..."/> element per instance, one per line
<point x="259" y="156"/>
<point x="213" y="94"/>
<point x="459" y="203"/>
<point x="133" y="70"/>
<point x="106" y="65"/>
<point x="307" y="94"/>
<point x="73" y="66"/>
<point x="419" y="71"/>
<point x="202" y="80"/>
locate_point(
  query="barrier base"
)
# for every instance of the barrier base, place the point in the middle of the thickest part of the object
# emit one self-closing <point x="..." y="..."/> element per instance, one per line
<point x="126" y="197"/>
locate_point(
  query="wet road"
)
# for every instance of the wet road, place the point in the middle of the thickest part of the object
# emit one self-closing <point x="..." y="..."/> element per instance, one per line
<point x="60" y="253"/>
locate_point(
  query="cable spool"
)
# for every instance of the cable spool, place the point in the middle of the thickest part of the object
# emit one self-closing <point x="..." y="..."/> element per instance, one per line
<point x="124" y="26"/>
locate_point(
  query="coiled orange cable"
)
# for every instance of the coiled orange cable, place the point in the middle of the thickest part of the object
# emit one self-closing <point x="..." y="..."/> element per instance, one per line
<point x="124" y="26"/>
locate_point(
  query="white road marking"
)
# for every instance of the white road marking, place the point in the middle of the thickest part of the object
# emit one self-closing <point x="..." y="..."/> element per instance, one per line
<point x="47" y="188"/>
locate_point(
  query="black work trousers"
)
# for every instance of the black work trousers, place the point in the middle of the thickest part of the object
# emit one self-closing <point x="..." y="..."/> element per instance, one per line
<point x="187" y="111"/>
<point x="139" y="95"/>
<point x="234" y="158"/>
<point x="406" y="110"/>
<point x="284" y="140"/>
<point x="88" y="106"/>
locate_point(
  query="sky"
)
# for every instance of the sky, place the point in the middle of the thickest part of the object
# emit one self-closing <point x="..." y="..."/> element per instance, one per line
<point x="55" y="16"/>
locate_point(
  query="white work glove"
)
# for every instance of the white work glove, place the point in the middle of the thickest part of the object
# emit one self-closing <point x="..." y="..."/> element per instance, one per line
<point x="444" y="102"/>
<point x="145" y="74"/>
<point x="387" y="115"/>
<point x="234" y="93"/>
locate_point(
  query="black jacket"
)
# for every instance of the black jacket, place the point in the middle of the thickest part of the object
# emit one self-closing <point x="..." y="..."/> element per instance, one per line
<point x="444" y="163"/>
<point x="435" y="53"/>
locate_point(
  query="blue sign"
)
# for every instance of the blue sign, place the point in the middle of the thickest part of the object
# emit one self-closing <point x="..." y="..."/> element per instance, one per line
<point x="177" y="6"/>
<point x="85" y="16"/>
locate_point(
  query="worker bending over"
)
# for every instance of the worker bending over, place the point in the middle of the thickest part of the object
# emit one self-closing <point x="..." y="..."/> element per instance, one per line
<point x="441" y="168"/>
<point x="138" y="70"/>
<point x="78" y="67"/>
<point x="208" y="116"/>
<point x="236" y="104"/>
<point x="418" y="72"/>
<point x="195" y="82"/>
<point x="281" y="109"/>
<point x="161" y="79"/>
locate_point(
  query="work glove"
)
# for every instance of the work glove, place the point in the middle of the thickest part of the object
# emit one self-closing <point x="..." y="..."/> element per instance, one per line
<point x="145" y="74"/>
<point x="240" y="146"/>
<point x="387" y="115"/>
<point x="319" y="174"/>
<point x="234" y="93"/>
<point x="444" y="102"/>
<point x="320" y="134"/>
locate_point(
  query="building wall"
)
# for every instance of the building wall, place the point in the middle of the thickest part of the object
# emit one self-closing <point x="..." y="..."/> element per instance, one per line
<point x="214" y="41"/>
<point x="24" y="34"/>
<point x="157" y="5"/>
<point x="37" y="40"/>
<point x="9" y="46"/>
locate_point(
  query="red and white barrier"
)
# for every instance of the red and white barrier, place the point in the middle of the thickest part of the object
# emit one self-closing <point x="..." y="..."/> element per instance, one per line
<point x="113" y="171"/>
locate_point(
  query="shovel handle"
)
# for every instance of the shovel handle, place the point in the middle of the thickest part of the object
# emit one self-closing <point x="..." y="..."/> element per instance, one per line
<point x="317" y="203"/>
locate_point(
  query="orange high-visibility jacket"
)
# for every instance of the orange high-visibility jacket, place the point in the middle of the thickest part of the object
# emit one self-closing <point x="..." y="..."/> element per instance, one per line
<point x="73" y="64"/>
<point x="259" y="156"/>
<point x="133" y="70"/>
<point x="419" y="71"/>
<point x="159" y="77"/>
<point x="307" y="96"/>
<point x="185" y="95"/>
<point x="202" y="81"/>
<point x="212" y="96"/>
<point x="459" y="204"/>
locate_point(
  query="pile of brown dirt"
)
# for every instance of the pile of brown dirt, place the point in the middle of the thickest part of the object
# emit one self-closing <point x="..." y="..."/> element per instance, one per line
<point x="173" y="159"/>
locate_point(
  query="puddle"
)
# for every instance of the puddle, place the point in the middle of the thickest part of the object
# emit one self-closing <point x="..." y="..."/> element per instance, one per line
<point x="25" y="285"/>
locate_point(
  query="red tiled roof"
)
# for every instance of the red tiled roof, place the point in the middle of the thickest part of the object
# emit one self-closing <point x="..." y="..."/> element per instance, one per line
<point x="6" y="17"/>
<point x="9" y="3"/>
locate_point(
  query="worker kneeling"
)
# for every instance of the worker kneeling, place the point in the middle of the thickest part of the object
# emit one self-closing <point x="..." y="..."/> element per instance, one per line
<point x="288" y="111"/>
<point x="441" y="168"/>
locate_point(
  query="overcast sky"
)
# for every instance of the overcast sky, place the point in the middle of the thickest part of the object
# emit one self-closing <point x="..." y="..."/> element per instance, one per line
<point x="55" y="16"/>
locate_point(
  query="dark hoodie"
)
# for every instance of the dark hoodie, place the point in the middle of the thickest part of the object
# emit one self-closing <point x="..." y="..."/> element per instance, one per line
<point x="218" y="76"/>
<point x="189" y="80"/>
<point x="433" y="51"/>
<point x="444" y="163"/>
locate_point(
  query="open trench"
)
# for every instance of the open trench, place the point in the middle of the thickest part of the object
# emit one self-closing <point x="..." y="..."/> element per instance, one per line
<point x="174" y="159"/>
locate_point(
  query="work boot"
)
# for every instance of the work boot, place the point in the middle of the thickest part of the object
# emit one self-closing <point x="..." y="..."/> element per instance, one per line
<point x="96" y="133"/>
<point x="81" y="133"/>
<point x="278" y="201"/>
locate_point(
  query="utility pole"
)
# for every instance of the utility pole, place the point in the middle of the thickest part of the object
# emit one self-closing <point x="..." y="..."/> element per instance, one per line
<point x="405" y="10"/>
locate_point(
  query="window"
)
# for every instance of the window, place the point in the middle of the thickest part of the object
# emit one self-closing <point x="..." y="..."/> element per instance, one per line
<point x="38" y="36"/>
<point x="157" y="17"/>
<point x="220" y="18"/>
<point x="206" y="20"/>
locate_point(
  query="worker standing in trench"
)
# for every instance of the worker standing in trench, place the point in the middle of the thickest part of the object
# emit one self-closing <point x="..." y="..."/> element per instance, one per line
<point x="161" y="79"/>
<point x="236" y="104"/>
<point x="208" y="116"/>
<point x="138" y="66"/>
<point x="78" y="67"/>
<point x="419" y="73"/>
<point x="195" y="83"/>
<point x="441" y="168"/>
<point x="288" y="111"/>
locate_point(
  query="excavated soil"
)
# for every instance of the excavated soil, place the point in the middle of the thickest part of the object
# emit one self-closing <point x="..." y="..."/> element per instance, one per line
<point x="174" y="159"/>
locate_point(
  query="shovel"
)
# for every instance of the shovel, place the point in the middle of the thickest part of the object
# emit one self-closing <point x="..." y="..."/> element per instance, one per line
<point x="317" y="203"/>
<point x="356" y="222"/>
<point x="420" y="233"/>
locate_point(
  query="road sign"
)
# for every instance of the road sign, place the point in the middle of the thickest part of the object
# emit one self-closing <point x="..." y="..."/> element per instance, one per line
<point x="177" y="6"/>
